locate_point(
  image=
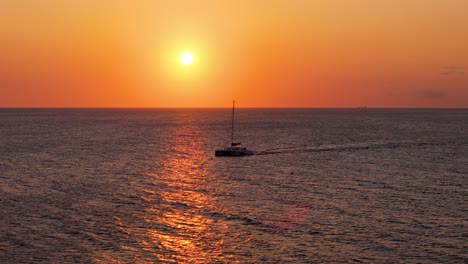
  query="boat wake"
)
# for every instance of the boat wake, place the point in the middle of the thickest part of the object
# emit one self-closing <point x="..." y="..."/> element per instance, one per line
<point x="348" y="147"/>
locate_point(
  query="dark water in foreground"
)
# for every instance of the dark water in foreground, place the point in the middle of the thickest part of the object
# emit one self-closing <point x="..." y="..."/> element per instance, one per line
<point x="143" y="186"/>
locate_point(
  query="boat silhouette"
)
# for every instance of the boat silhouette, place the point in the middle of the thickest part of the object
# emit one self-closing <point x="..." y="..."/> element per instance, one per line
<point x="235" y="149"/>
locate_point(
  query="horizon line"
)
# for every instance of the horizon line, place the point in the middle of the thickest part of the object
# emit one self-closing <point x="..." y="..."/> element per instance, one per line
<point x="227" y="107"/>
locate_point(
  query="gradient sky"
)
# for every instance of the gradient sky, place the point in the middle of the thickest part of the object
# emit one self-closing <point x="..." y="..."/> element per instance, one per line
<point x="263" y="53"/>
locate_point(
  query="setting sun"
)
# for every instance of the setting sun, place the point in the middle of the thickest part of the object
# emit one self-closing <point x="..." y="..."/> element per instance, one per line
<point x="186" y="58"/>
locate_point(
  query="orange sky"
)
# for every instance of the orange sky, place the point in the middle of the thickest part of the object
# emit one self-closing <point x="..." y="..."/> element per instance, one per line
<point x="263" y="53"/>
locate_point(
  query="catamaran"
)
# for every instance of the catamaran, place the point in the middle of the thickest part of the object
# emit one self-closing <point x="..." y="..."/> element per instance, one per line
<point x="236" y="149"/>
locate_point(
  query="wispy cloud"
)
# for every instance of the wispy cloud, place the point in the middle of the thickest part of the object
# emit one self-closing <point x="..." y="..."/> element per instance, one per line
<point x="453" y="70"/>
<point x="432" y="94"/>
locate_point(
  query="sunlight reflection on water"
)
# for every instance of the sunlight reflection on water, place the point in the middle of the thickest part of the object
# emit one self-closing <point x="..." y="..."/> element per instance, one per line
<point x="184" y="233"/>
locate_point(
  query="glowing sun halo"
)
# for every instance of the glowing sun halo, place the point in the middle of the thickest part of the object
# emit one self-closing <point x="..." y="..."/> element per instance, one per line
<point x="186" y="58"/>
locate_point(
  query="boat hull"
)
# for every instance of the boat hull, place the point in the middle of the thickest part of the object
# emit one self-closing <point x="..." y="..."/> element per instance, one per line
<point x="232" y="153"/>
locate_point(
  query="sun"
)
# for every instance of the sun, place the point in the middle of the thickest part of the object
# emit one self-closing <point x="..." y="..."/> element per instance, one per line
<point x="186" y="58"/>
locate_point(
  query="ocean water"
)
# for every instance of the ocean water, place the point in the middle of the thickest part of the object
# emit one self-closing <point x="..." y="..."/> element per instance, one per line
<point x="143" y="186"/>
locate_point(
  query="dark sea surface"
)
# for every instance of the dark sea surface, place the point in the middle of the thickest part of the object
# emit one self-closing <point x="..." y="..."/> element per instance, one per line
<point x="143" y="186"/>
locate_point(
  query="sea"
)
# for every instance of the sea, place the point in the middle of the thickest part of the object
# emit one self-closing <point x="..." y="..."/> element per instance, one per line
<point x="356" y="185"/>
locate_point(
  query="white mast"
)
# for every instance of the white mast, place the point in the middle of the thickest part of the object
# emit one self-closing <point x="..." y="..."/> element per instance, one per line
<point x="232" y="123"/>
